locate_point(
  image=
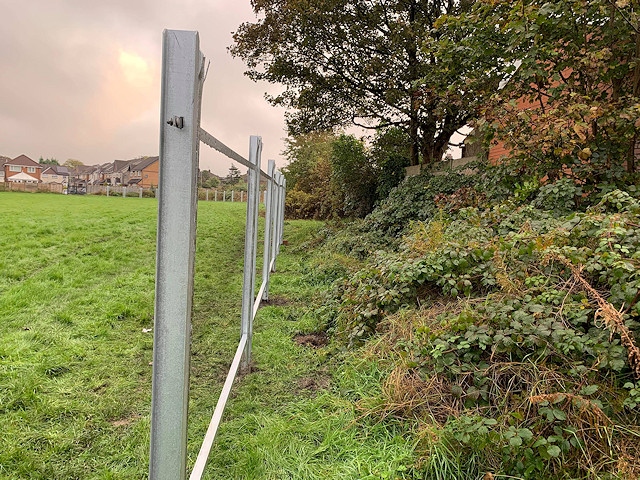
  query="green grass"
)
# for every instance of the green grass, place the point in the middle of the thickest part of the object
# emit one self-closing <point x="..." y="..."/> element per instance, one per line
<point x="76" y="292"/>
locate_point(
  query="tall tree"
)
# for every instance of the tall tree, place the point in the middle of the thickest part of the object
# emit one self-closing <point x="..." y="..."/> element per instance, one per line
<point x="372" y="63"/>
<point x="72" y="163"/>
<point x="233" y="177"/>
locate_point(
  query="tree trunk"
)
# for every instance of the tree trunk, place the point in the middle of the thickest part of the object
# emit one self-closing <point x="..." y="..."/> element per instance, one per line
<point x="414" y="105"/>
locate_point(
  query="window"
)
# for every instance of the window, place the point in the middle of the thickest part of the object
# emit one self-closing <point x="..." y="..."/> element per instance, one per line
<point x="15" y="168"/>
<point x="31" y="169"/>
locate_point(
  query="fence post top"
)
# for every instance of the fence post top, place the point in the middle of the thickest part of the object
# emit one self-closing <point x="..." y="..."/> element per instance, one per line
<point x="255" y="150"/>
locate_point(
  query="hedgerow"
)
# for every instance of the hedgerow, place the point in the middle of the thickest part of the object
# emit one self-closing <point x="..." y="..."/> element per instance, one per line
<point x="514" y="328"/>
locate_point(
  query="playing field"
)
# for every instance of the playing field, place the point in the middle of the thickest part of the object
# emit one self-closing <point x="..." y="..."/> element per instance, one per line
<point x="76" y="313"/>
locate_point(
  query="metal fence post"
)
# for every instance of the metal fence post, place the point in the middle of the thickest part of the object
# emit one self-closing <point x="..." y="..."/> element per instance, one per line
<point x="268" y="221"/>
<point x="182" y="76"/>
<point x="283" y="194"/>
<point x="275" y="216"/>
<point x="250" y="244"/>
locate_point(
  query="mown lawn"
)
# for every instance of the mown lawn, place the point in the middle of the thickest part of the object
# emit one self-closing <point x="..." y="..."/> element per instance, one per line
<point x="76" y="306"/>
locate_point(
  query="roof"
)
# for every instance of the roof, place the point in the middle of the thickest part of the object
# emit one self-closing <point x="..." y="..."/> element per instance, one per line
<point x="3" y="160"/>
<point x="22" y="176"/>
<point x="143" y="163"/>
<point x="103" y="168"/>
<point x="24" y="161"/>
<point x="121" y="165"/>
<point x="55" y="170"/>
<point x="82" y="169"/>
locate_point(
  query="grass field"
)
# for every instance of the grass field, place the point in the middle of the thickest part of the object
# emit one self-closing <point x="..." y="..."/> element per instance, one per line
<point x="76" y="300"/>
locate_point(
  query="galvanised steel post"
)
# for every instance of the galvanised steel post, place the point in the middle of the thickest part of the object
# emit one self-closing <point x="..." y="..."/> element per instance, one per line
<point x="280" y="217"/>
<point x="284" y="194"/>
<point x="275" y="217"/>
<point x="182" y="77"/>
<point x="268" y="221"/>
<point x="250" y="246"/>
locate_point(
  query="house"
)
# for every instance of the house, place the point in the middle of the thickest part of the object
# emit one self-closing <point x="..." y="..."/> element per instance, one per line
<point x="81" y="173"/>
<point x="144" y="172"/>
<point x="120" y="172"/>
<point x="3" y="160"/>
<point x="22" y="170"/>
<point x="55" y="174"/>
<point x="101" y="174"/>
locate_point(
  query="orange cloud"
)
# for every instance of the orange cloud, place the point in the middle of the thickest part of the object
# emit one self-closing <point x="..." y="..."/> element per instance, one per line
<point x="130" y="87"/>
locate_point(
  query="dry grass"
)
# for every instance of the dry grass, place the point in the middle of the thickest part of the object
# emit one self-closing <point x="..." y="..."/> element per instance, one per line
<point x="513" y="388"/>
<point x="613" y="319"/>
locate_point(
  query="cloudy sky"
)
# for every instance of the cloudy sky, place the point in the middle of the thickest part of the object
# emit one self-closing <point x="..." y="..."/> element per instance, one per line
<point x="81" y="79"/>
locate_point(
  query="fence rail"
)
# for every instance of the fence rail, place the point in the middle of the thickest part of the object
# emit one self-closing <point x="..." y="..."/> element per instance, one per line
<point x="180" y="136"/>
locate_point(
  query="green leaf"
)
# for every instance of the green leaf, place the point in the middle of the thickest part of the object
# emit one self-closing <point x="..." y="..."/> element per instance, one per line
<point x="589" y="390"/>
<point x="554" y="451"/>
<point x="559" y="414"/>
<point x="525" y="433"/>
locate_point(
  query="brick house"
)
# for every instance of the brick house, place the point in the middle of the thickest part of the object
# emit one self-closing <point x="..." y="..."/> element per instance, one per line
<point x="144" y="172"/>
<point x="101" y="174"/>
<point x="23" y="170"/>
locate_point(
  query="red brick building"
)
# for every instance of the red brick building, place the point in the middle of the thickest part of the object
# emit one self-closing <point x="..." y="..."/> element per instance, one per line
<point x="22" y="169"/>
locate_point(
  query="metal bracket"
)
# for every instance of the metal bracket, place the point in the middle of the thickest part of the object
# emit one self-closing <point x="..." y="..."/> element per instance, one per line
<point x="177" y="122"/>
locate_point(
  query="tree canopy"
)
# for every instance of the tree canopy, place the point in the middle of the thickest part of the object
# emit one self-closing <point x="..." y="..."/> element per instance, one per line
<point x="233" y="177"/>
<point x="571" y="105"/>
<point x="48" y="161"/>
<point x="72" y="163"/>
<point x="371" y="63"/>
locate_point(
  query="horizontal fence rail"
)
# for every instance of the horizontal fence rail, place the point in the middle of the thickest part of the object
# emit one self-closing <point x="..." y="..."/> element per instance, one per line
<point x="180" y="136"/>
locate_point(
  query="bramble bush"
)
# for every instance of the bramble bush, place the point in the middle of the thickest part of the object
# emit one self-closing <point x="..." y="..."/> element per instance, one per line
<point x="519" y="340"/>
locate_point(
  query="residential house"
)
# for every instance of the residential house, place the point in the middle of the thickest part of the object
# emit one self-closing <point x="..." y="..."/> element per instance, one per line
<point x="144" y="172"/>
<point x="120" y="173"/>
<point x="81" y="173"/>
<point x="22" y="170"/>
<point x="55" y="174"/>
<point x="3" y="160"/>
<point x="79" y="178"/>
<point x="101" y="174"/>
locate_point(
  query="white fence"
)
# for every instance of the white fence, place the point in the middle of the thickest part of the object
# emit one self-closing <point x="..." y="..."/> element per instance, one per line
<point x="180" y="137"/>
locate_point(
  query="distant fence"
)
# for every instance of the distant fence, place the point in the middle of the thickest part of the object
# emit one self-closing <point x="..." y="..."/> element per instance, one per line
<point x="220" y="195"/>
<point x="180" y="137"/>
<point x="206" y="194"/>
<point x="32" y="187"/>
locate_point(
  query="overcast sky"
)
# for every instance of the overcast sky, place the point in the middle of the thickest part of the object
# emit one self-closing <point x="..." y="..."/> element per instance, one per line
<point x="81" y="79"/>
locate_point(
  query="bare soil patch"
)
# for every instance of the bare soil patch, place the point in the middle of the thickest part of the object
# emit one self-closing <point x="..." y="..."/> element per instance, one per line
<point x="276" y="301"/>
<point x="314" y="339"/>
<point x="313" y="383"/>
